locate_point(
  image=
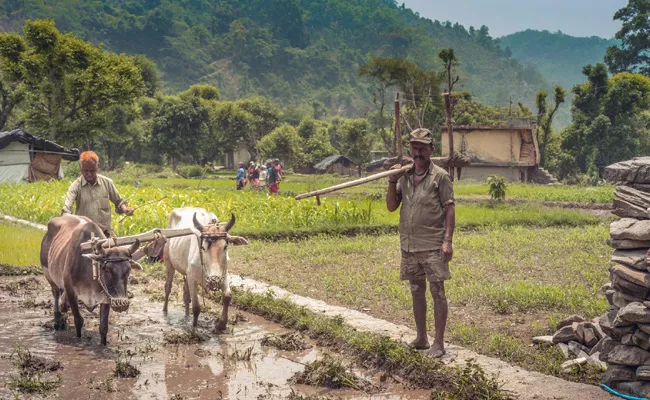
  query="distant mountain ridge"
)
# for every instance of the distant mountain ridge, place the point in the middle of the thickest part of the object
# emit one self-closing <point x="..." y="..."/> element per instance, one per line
<point x="295" y="51"/>
<point x="557" y="56"/>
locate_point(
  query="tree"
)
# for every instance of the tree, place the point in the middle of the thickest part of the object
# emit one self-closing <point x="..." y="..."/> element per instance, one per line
<point x="633" y="54"/>
<point x="610" y="120"/>
<point x="205" y="92"/>
<point x="63" y="84"/>
<point x="178" y="128"/>
<point x="545" y="118"/>
<point x="356" y="140"/>
<point x="264" y="116"/>
<point x="316" y="143"/>
<point x="283" y="143"/>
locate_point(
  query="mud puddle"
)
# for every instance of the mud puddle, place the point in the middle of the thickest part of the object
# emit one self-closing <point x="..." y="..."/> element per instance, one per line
<point x="231" y="365"/>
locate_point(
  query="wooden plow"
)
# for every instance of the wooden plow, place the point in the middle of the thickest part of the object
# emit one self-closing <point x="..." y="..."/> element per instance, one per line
<point x="149" y="236"/>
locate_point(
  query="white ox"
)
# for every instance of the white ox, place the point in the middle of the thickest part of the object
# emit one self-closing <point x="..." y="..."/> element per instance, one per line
<point x="202" y="259"/>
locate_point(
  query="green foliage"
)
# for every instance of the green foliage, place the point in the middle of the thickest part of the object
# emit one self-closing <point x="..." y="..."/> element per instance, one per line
<point x="189" y="171"/>
<point x="60" y="86"/>
<point x="356" y="140"/>
<point x="205" y="92"/>
<point x="632" y="53"/>
<point x="497" y="187"/>
<point x="610" y="120"/>
<point x="282" y="143"/>
<point x="470" y="112"/>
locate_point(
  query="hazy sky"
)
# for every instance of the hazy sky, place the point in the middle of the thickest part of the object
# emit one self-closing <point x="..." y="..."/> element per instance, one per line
<point x="573" y="17"/>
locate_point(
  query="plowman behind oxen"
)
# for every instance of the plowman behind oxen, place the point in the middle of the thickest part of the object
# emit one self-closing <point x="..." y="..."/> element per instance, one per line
<point x="71" y="273"/>
<point x="202" y="258"/>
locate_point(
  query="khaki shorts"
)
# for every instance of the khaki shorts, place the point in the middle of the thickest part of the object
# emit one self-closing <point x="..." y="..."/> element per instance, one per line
<point x="424" y="264"/>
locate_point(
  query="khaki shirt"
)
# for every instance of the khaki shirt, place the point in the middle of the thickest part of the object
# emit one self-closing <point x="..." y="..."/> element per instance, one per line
<point x="92" y="201"/>
<point x="422" y="216"/>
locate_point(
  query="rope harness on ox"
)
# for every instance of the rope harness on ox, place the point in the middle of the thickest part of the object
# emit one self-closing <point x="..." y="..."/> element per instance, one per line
<point x="210" y="238"/>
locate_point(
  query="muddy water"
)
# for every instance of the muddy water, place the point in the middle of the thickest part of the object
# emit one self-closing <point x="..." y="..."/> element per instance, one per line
<point x="213" y="369"/>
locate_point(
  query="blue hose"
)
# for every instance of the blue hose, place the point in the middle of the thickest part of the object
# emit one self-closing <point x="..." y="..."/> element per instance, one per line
<point x="624" y="396"/>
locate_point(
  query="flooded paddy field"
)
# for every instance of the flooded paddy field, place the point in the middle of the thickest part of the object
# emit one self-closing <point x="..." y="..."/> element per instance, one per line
<point x="155" y="356"/>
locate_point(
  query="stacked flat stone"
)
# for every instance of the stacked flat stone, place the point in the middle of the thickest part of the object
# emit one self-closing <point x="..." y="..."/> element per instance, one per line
<point x="627" y="322"/>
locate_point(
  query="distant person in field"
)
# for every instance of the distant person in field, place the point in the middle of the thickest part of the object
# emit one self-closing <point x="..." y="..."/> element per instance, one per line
<point x="90" y="194"/>
<point x="263" y="171"/>
<point x="255" y="178"/>
<point x="241" y="176"/>
<point x="274" y="179"/>
<point x="251" y="169"/>
<point x="426" y="225"/>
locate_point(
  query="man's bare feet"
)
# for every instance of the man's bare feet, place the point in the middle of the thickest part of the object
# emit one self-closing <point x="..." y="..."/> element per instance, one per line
<point x="436" y="351"/>
<point x="419" y="344"/>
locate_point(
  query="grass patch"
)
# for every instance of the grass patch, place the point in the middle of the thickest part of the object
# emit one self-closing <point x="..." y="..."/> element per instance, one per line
<point x="31" y="371"/>
<point x="331" y="373"/>
<point x="290" y="341"/>
<point x="19" y="249"/>
<point x="190" y="336"/>
<point x="508" y="283"/>
<point x="369" y="349"/>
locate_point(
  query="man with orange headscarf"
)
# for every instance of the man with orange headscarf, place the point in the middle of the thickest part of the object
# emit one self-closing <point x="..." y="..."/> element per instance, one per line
<point x="91" y="193"/>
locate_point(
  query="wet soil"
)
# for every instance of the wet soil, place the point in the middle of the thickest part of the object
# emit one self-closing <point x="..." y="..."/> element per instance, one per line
<point x="231" y="365"/>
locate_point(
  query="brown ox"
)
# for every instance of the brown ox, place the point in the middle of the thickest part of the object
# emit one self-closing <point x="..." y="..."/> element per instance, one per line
<point x="71" y="273"/>
<point x="202" y="259"/>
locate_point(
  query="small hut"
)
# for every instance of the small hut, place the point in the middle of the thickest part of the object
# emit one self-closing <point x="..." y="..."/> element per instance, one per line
<point x="337" y="164"/>
<point x="28" y="158"/>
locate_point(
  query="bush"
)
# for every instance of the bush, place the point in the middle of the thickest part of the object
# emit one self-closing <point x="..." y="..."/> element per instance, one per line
<point x="190" y="171"/>
<point x="498" y="187"/>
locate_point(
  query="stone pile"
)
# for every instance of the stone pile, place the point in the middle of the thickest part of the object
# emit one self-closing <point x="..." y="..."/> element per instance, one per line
<point x="579" y="340"/>
<point x="627" y="322"/>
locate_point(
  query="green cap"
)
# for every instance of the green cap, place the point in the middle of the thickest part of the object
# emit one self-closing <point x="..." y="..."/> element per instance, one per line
<point x="421" y="135"/>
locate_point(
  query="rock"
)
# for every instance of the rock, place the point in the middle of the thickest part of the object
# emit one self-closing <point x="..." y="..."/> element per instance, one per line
<point x="644" y="328"/>
<point x="627" y="339"/>
<point x="641" y="278"/>
<point x="643" y="372"/>
<point x="606" y="346"/>
<point x="634" y="312"/>
<point x="575" y="348"/>
<point x="595" y="327"/>
<point x="621" y="300"/>
<point x="630" y="228"/>
<point x="641" y="339"/>
<point x="622" y="285"/>
<point x="590" y="338"/>
<point x="632" y="258"/>
<point x="609" y="295"/>
<point x="618" y="373"/>
<point x="636" y="170"/>
<point x="567" y="365"/>
<point x="627" y="244"/>
<point x="625" y="209"/>
<point x="606" y="323"/>
<point x="597" y="347"/>
<point x="628" y="355"/>
<point x="543" y="340"/>
<point x="569" y="320"/>
<point x="606" y="287"/>
<point x="638" y="389"/>
<point x="595" y="361"/>
<point x="579" y="330"/>
<point x="564" y="335"/>
<point x="564" y="348"/>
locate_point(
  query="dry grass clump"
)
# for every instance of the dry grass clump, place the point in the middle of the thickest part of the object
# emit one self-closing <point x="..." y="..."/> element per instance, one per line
<point x="290" y="341"/>
<point x="331" y="373"/>
<point x="191" y="336"/>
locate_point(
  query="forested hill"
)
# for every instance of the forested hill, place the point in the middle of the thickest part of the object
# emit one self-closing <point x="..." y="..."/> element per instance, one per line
<point x="296" y="51"/>
<point x="557" y="56"/>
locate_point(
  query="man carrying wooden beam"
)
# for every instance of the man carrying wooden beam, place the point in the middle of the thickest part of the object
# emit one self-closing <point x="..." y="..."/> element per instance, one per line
<point x="427" y="220"/>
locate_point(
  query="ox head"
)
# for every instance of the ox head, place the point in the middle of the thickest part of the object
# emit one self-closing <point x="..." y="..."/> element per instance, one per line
<point x="215" y="240"/>
<point x="115" y="265"/>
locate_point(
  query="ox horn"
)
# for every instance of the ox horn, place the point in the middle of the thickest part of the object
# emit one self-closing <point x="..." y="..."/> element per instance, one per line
<point x="197" y="224"/>
<point x="230" y="223"/>
<point x="134" y="247"/>
<point x="99" y="249"/>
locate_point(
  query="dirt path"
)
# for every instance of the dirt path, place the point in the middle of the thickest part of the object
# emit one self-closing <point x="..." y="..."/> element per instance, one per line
<point x="526" y="384"/>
